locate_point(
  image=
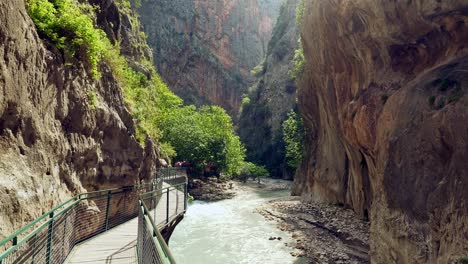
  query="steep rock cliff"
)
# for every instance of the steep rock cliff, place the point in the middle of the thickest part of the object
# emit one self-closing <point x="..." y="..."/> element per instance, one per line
<point x="384" y="100"/>
<point x="54" y="141"/>
<point x="272" y="96"/>
<point x="204" y="50"/>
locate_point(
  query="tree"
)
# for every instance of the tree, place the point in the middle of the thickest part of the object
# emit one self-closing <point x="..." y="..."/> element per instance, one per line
<point x="293" y="135"/>
<point x="203" y="136"/>
<point x="250" y="170"/>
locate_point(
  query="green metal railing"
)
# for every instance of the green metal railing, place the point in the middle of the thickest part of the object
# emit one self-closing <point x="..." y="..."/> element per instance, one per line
<point x="51" y="237"/>
<point x="151" y="246"/>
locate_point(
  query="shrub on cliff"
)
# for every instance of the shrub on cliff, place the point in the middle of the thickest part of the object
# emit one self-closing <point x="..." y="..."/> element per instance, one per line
<point x="259" y="70"/>
<point x="70" y="26"/>
<point x="200" y="136"/>
<point x="298" y="63"/>
<point x="293" y="135"/>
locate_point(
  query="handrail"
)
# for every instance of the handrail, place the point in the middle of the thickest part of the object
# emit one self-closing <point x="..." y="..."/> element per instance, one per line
<point x="67" y="218"/>
<point x="53" y="210"/>
<point x="160" y="239"/>
<point x="17" y="233"/>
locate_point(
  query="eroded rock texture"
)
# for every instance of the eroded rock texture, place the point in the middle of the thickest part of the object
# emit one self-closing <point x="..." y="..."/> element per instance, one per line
<point x="53" y="142"/>
<point x="204" y="50"/>
<point x="384" y="100"/>
<point x="271" y="97"/>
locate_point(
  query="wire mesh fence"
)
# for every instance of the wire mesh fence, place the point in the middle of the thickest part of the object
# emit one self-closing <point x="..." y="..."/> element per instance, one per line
<point x="159" y="209"/>
<point x="51" y="237"/>
<point x="172" y="175"/>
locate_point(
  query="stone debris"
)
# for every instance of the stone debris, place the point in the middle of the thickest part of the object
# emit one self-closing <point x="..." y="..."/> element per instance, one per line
<point x="211" y="189"/>
<point x="321" y="233"/>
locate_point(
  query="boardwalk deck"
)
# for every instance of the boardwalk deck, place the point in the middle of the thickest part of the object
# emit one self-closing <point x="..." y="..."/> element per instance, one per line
<point x="118" y="245"/>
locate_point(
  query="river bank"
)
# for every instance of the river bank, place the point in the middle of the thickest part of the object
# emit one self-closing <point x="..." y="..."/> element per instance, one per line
<point x="308" y="232"/>
<point x="322" y="233"/>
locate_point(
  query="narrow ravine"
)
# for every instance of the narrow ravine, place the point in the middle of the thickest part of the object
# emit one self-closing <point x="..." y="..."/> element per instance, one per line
<point x="231" y="231"/>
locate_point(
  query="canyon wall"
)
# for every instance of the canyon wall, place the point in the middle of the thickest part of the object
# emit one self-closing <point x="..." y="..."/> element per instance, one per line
<point x="54" y="140"/>
<point x="204" y="50"/>
<point x="271" y="97"/>
<point x="384" y="100"/>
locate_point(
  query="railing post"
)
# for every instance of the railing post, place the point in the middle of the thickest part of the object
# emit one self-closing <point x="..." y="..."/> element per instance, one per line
<point x="167" y="206"/>
<point x="63" y="237"/>
<point x="34" y="249"/>
<point x="185" y="197"/>
<point x="107" y="209"/>
<point x="49" y="238"/>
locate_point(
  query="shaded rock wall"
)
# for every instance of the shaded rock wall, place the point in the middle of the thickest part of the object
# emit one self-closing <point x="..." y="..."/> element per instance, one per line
<point x="384" y="100"/>
<point x="271" y="97"/>
<point x="204" y="50"/>
<point x="53" y="142"/>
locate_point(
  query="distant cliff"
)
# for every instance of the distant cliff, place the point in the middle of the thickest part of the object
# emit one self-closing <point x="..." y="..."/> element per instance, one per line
<point x="384" y="100"/>
<point x="272" y="96"/>
<point x="204" y="50"/>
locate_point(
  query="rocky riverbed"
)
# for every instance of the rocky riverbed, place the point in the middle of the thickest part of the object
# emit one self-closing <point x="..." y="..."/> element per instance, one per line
<point x="211" y="189"/>
<point x="322" y="233"/>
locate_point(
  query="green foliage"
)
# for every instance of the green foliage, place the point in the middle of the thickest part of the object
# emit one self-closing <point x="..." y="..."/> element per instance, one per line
<point x="93" y="100"/>
<point x="300" y="10"/>
<point x="463" y="260"/>
<point x="298" y="63"/>
<point x="167" y="151"/>
<point x="245" y="102"/>
<point x="70" y="26"/>
<point x="251" y="170"/>
<point x="293" y="135"/>
<point x="203" y="136"/>
<point x="259" y="70"/>
<point x="190" y="198"/>
<point x="200" y="136"/>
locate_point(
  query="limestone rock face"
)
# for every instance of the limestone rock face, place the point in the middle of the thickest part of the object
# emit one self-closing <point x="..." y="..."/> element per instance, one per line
<point x="53" y="142"/>
<point x="204" y="50"/>
<point x="272" y="96"/>
<point x="385" y="101"/>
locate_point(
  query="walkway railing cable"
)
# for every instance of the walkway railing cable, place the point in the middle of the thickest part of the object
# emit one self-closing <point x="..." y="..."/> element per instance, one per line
<point x="51" y="237"/>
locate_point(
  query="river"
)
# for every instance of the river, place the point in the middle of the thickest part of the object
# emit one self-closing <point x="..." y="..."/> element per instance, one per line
<point x="230" y="231"/>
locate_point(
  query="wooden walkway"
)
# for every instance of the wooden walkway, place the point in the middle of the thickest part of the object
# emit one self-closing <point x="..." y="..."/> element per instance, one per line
<point x="118" y="245"/>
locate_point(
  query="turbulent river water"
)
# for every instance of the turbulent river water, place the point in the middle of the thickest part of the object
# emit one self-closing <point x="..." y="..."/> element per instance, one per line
<point x="230" y="231"/>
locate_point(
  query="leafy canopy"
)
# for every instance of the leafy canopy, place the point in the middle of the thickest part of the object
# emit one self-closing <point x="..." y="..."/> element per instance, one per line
<point x="251" y="170"/>
<point x="202" y="136"/>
